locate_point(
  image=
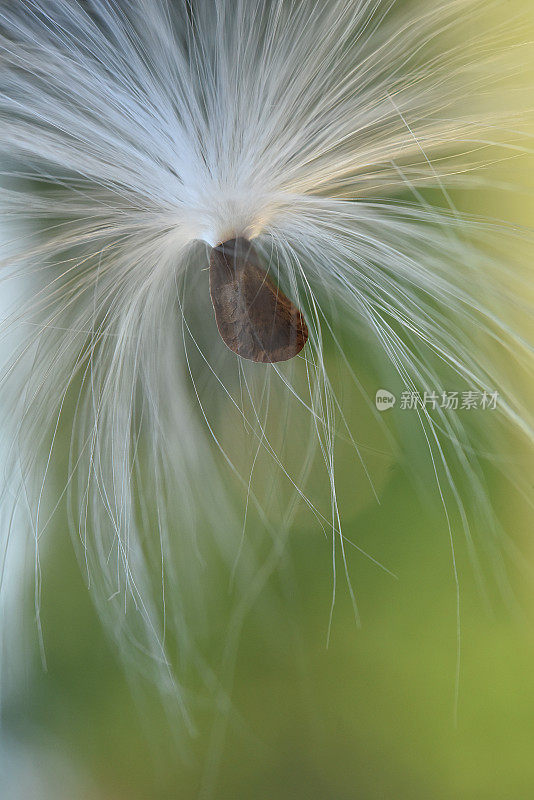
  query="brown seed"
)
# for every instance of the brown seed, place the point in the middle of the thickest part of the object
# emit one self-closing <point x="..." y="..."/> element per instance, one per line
<point x="254" y="317"/>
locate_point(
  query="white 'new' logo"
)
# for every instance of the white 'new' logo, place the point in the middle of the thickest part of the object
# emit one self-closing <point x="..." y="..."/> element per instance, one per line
<point x="384" y="400"/>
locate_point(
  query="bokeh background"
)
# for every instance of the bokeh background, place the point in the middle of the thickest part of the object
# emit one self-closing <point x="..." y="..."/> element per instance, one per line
<point x="373" y="714"/>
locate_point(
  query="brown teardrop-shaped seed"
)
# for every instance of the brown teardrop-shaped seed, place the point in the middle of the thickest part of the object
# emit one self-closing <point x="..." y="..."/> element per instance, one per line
<point x="254" y="317"/>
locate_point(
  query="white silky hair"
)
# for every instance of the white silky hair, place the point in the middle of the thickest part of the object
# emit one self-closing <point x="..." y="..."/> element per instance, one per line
<point x="136" y="137"/>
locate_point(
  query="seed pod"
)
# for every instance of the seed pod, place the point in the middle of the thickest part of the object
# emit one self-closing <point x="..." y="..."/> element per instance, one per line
<point x="254" y="317"/>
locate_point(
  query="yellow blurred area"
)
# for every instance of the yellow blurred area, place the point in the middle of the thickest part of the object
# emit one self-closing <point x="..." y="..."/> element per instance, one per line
<point x="372" y="716"/>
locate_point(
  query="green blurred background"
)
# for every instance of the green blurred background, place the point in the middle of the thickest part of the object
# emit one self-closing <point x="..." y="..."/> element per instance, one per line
<point x="371" y="716"/>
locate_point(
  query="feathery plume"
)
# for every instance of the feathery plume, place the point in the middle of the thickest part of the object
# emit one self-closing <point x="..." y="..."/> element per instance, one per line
<point x="137" y="139"/>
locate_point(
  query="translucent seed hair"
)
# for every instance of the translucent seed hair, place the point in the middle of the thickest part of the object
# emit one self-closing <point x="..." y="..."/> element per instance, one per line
<point x="334" y="136"/>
